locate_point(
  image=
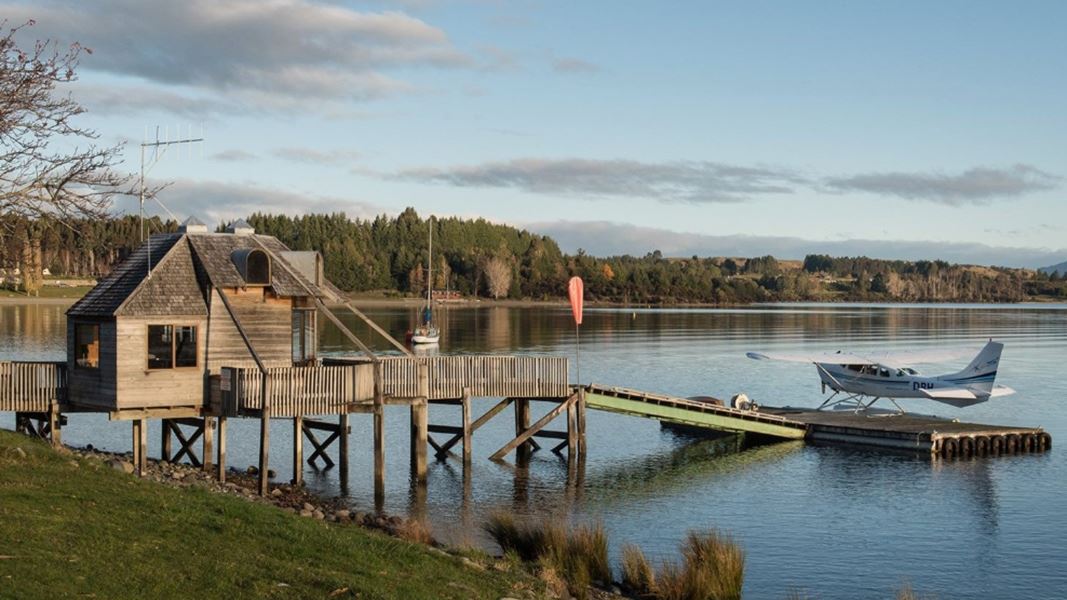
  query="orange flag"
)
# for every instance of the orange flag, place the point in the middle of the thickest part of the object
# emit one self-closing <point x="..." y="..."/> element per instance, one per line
<point x="576" y="289"/>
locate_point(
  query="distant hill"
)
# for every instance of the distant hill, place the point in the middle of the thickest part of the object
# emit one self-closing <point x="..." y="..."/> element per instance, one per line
<point x="1061" y="268"/>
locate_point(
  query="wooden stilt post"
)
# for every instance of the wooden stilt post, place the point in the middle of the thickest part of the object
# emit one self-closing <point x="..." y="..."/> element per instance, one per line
<point x="220" y="464"/>
<point x="572" y="430"/>
<point x="466" y="427"/>
<point x="581" y="421"/>
<point x="522" y="423"/>
<point x="164" y="443"/>
<point x="209" y="444"/>
<point x="379" y="455"/>
<point x="264" y="451"/>
<point x="298" y="450"/>
<point x="55" y="426"/>
<point x="135" y="444"/>
<point x="142" y="445"/>
<point x="419" y="434"/>
<point x="342" y="448"/>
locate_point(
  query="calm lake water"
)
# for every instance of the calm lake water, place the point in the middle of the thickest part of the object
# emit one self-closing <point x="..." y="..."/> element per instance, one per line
<point x="831" y="522"/>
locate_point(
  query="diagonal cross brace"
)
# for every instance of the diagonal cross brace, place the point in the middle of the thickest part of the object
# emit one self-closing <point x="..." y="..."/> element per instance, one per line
<point x="538" y="426"/>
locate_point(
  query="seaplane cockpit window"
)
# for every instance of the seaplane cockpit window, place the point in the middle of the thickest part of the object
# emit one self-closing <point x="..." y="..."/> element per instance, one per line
<point x="884" y="372"/>
<point x="857" y="368"/>
<point x="910" y="371"/>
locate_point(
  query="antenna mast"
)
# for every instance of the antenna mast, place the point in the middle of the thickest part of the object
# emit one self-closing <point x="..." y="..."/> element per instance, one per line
<point x="159" y="149"/>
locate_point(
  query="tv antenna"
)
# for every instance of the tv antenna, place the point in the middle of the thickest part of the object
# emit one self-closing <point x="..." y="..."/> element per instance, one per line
<point x="159" y="149"/>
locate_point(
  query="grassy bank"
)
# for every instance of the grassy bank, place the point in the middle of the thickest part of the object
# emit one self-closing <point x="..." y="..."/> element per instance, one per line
<point x="72" y="526"/>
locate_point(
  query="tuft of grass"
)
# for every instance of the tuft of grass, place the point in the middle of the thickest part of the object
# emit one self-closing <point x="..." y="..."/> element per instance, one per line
<point x="416" y="530"/>
<point x="714" y="566"/>
<point x="907" y="593"/>
<point x="637" y="574"/>
<point x="73" y="526"/>
<point x="588" y="548"/>
<point x="671" y="583"/>
<point x="579" y="555"/>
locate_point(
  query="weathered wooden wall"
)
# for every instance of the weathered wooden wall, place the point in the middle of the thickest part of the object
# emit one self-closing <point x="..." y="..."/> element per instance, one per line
<point x="93" y="388"/>
<point x="267" y="321"/>
<point x="139" y="387"/>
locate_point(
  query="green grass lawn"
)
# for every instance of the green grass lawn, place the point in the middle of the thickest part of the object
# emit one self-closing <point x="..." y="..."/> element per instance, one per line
<point x="91" y="531"/>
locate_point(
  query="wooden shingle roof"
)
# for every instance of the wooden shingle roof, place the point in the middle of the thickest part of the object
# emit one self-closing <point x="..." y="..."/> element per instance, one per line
<point x="111" y="291"/>
<point x="184" y="264"/>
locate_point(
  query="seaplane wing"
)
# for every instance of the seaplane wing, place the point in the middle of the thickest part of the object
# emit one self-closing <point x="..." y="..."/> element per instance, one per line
<point x="837" y="358"/>
<point x="908" y="358"/>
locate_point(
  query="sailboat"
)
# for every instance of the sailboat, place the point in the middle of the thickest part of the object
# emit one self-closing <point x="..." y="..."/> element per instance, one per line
<point x="427" y="332"/>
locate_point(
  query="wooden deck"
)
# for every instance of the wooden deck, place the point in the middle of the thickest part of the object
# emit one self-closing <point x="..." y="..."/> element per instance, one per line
<point x="345" y="385"/>
<point x="916" y="433"/>
<point x="920" y="433"/>
<point x="32" y="386"/>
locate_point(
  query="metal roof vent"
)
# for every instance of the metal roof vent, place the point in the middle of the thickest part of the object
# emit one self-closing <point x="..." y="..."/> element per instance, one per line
<point x="192" y="225"/>
<point x="240" y="227"/>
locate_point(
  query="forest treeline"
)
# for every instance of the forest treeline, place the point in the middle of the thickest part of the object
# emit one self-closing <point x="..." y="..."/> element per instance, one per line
<point x="477" y="258"/>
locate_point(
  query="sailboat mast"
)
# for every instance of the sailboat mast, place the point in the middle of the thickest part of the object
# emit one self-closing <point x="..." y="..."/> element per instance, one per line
<point x="429" y="268"/>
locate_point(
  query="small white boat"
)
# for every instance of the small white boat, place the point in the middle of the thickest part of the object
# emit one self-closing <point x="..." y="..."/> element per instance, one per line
<point x="427" y="333"/>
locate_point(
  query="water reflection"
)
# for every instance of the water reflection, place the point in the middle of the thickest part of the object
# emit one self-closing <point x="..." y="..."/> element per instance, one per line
<point x="983" y="527"/>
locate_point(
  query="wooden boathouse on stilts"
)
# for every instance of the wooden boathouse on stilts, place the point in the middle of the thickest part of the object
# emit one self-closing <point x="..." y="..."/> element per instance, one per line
<point x="195" y="328"/>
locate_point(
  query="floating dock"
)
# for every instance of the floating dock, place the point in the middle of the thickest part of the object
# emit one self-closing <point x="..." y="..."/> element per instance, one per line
<point x="916" y="433"/>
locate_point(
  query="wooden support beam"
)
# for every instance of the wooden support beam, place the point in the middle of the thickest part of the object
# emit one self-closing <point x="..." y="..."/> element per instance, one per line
<point x="466" y="427"/>
<point x="164" y="442"/>
<point x="419" y="436"/>
<point x="320" y="447"/>
<point x="55" y="426"/>
<point x="220" y="464"/>
<point x="553" y="435"/>
<point x="264" y="446"/>
<point x="379" y="457"/>
<point x="187" y="444"/>
<point x="538" y="426"/>
<point x="522" y="423"/>
<point x="209" y="443"/>
<point x="342" y="448"/>
<point x="457" y="432"/>
<point x="298" y="450"/>
<point x="140" y="447"/>
<point x="572" y="427"/>
<point x="377" y="328"/>
<point x="581" y="421"/>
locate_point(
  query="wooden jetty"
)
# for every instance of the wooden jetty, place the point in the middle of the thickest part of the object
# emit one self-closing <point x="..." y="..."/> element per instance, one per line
<point x="917" y="433"/>
<point x="195" y="328"/>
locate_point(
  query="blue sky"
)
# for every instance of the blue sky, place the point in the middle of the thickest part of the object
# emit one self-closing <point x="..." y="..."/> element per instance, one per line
<point x="898" y="129"/>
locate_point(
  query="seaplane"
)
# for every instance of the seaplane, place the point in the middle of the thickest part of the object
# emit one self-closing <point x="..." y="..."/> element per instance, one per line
<point x="858" y="380"/>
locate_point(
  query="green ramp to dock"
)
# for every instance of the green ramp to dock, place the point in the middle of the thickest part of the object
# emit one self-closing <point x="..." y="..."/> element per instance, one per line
<point x="690" y="412"/>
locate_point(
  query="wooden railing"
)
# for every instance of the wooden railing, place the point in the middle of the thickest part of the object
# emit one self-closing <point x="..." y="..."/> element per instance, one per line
<point x="483" y="375"/>
<point x="312" y="390"/>
<point x="32" y="386"/>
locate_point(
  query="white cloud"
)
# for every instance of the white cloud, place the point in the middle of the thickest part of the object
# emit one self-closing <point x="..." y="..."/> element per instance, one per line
<point x="979" y="185"/>
<point x="681" y="181"/>
<point x="289" y="50"/>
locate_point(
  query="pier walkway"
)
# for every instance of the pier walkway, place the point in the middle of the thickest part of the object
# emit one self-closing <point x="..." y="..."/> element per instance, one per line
<point x="917" y="433"/>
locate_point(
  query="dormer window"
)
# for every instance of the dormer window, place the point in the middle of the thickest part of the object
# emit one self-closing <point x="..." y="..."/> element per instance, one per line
<point x="253" y="264"/>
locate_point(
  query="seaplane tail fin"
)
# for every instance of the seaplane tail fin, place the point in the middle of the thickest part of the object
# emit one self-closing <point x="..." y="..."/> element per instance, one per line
<point x="980" y="374"/>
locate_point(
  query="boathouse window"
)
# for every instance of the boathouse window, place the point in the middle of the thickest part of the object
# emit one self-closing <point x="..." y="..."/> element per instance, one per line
<point x="171" y="346"/>
<point x="87" y="345"/>
<point x="303" y="335"/>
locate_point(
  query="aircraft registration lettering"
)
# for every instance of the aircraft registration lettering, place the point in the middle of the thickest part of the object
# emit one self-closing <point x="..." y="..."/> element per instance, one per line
<point x="921" y="385"/>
